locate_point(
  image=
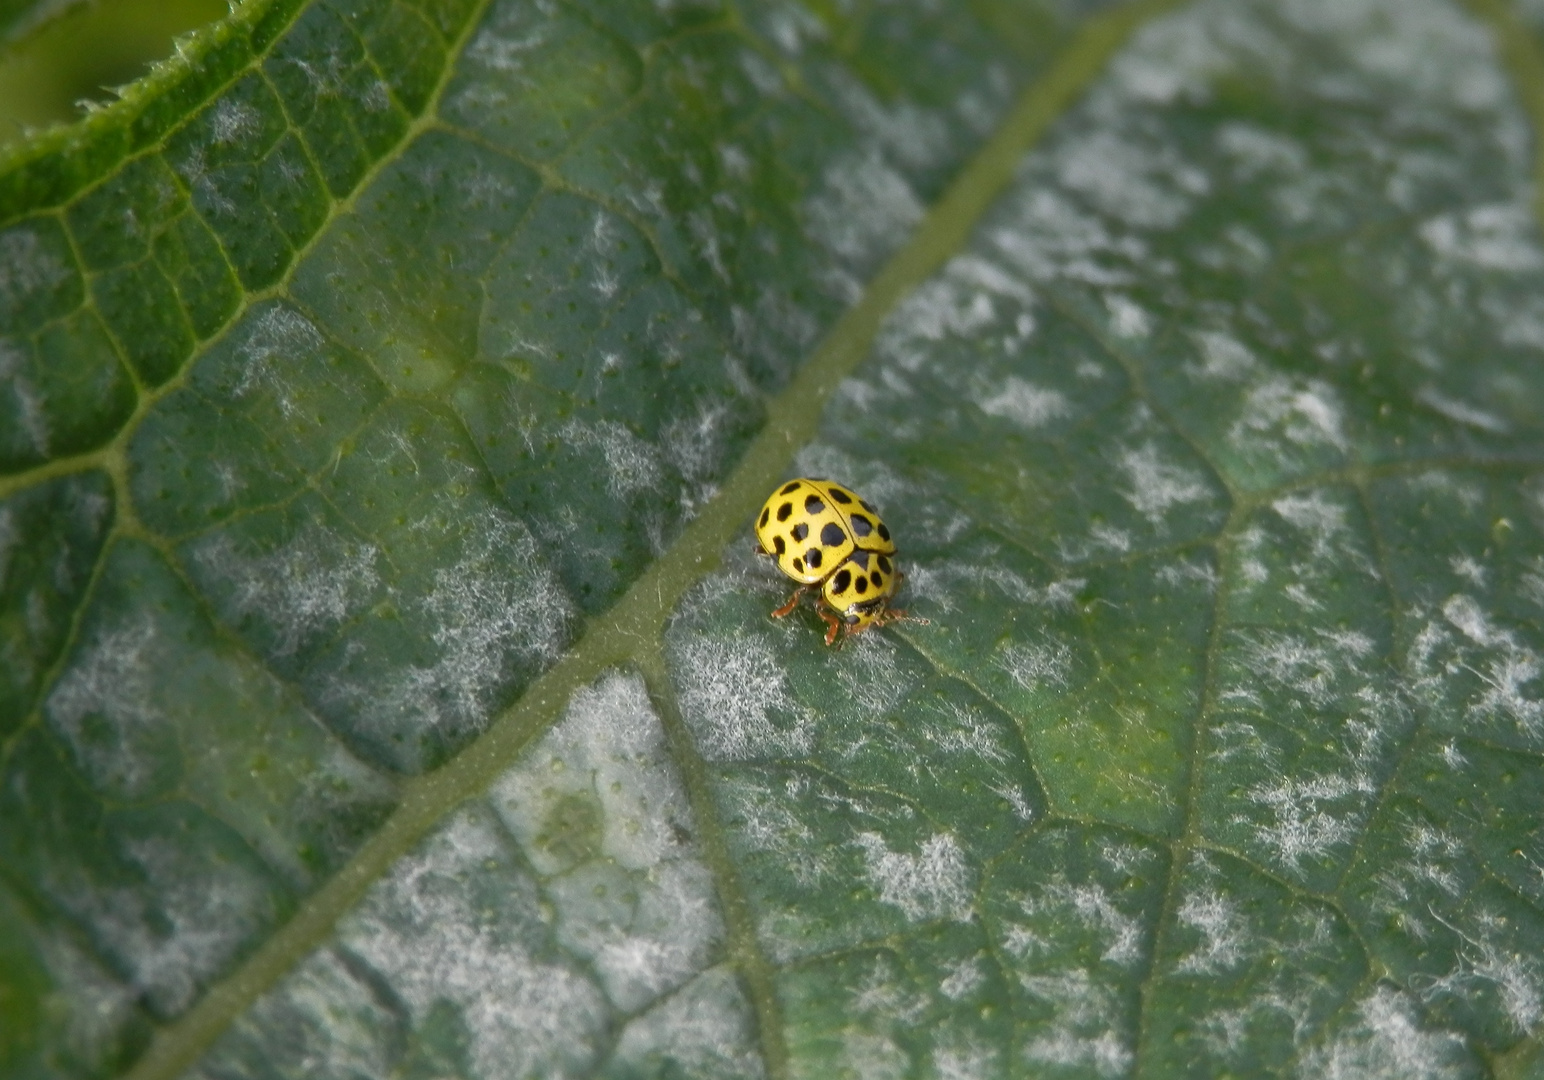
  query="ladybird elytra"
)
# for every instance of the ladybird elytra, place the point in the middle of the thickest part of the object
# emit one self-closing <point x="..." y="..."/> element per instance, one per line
<point x="823" y="536"/>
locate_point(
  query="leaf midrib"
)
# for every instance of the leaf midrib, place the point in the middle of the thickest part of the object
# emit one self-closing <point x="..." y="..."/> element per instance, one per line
<point x="631" y="631"/>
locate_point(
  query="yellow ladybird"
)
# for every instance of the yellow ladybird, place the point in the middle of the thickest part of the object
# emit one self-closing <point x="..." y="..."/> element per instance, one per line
<point x="822" y="534"/>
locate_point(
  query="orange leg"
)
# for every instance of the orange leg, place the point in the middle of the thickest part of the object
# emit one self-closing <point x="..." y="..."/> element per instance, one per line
<point x="793" y="602"/>
<point x="833" y="625"/>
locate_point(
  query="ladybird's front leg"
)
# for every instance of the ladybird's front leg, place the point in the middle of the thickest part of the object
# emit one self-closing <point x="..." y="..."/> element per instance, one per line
<point x="833" y="625"/>
<point x="793" y="602"/>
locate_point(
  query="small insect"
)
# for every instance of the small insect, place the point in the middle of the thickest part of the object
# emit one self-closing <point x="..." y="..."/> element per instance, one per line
<point x="833" y="544"/>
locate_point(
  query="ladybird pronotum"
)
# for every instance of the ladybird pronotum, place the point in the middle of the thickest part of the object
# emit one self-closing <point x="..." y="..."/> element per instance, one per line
<point x="834" y="544"/>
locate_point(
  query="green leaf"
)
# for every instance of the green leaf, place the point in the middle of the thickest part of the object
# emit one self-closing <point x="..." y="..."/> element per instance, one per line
<point x="388" y="689"/>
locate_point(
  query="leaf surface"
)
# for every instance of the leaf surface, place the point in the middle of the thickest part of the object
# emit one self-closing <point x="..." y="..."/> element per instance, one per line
<point x="382" y="389"/>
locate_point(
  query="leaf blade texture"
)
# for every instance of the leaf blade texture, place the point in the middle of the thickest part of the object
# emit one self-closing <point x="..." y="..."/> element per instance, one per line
<point x="389" y="688"/>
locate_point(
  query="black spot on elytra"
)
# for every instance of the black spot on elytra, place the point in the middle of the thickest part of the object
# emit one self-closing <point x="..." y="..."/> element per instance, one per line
<point x="783" y="511"/>
<point x="813" y="506"/>
<point x="884" y="564"/>
<point x="879" y="582"/>
<point x="840" y="496"/>
<point x="861" y="559"/>
<point x="861" y="526"/>
<point x="778" y="545"/>
<point x="868" y="506"/>
<point x="765" y="516"/>
<point x="798" y="564"/>
<point x="884" y="533"/>
<point x="861" y="584"/>
<point x="832" y="535"/>
<point x="800" y="531"/>
<point x="842" y="580"/>
<point x="793" y="486"/>
<point x="812" y="558"/>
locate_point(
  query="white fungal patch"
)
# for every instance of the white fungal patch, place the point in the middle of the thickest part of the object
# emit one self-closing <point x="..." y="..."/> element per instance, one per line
<point x="277" y="337"/>
<point x="736" y="698"/>
<point x="1033" y="665"/>
<point x="233" y="121"/>
<point x="311" y="584"/>
<point x="706" y="1029"/>
<point x="1312" y="815"/>
<point x="934" y="883"/>
<point x="1156" y="485"/>
<point x="1304" y="413"/>
<point x="598" y="803"/>
<point x="1493" y="670"/>
<point x="425" y="930"/>
<point x="860" y="211"/>
<point x="1462" y="411"/>
<point x="1121" y="936"/>
<point x="1025" y="404"/>
<point x="632" y="465"/>
<point x="492" y="609"/>
<point x="1224" y="933"/>
<point x="1086" y="1029"/>
<point x="1388" y="1039"/>
<point x="28" y="267"/>
<point x="29" y="405"/>
<point x="107" y="707"/>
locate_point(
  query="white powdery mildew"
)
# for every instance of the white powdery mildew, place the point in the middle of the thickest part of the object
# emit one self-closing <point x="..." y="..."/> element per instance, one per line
<point x="934" y="883"/>
<point x="1487" y="958"/>
<point x="27" y="267"/>
<point x="31" y="407"/>
<point x="859" y="212"/>
<point x="1120" y="937"/>
<point x="323" y="1022"/>
<point x="497" y="607"/>
<point x="1156" y="485"/>
<point x="706" y="1029"/>
<point x="1027" y="405"/>
<point x="1086" y="1028"/>
<point x="1387" y="1041"/>
<point x="110" y="688"/>
<point x="640" y="906"/>
<point x="425" y="932"/>
<point x="277" y="336"/>
<point x="730" y="689"/>
<point x="1508" y="669"/>
<point x="970" y="295"/>
<point x="632" y="465"/>
<point x="1302" y="412"/>
<point x="1312" y="816"/>
<point x="1034" y="665"/>
<point x="311" y="584"/>
<point x="198" y="922"/>
<point x="1225" y="934"/>
<point x="94" y="1006"/>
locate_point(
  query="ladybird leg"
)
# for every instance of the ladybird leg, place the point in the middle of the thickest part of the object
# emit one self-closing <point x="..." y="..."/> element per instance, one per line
<point x="793" y="602"/>
<point x="833" y="625"/>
